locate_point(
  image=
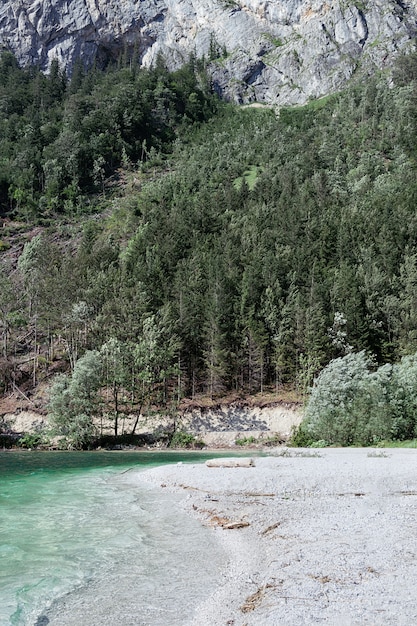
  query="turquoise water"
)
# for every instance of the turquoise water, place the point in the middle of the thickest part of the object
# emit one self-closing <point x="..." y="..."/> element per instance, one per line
<point x="81" y="544"/>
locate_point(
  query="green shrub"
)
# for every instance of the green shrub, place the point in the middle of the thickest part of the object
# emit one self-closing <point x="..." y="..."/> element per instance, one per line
<point x="182" y="439"/>
<point x="31" y="441"/>
<point x="300" y="436"/>
<point x="74" y="400"/>
<point x="246" y="441"/>
<point x="274" y="440"/>
<point x="330" y="413"/>
<point x="404" y="399"/>
<point x="354" y="403"/>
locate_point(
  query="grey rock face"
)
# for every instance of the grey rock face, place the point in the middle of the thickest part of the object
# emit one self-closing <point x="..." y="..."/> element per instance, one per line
<point x="272" y="51"/>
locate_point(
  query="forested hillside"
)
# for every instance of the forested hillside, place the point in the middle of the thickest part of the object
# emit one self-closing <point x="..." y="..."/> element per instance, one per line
<point x="172" y="245"/>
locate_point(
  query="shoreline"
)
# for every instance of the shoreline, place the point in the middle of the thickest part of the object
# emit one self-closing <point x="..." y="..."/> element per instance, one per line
<point x="310" y="536"/>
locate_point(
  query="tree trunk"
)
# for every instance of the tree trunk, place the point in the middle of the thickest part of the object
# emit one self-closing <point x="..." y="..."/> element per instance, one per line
<point x="116" y="409"/>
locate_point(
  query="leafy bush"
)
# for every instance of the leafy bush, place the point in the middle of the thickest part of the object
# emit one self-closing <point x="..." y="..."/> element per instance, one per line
<point x="352" y="403"/>
<point x="182" y="439"/>
<point x="31" y="440"/>
<point x="404" y="399"/>
<point x="73" y="401"/>
<point x="245" y="441"/>
<point x="330" y="413"/>
<point x="300" y="436"/>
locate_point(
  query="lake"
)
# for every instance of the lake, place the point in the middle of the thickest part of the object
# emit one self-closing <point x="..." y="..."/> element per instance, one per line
<point x="80" y="544"/>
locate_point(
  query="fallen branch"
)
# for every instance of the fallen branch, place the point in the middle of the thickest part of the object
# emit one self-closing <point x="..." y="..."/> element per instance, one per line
<point x="21" y="393"/>
<point x="227" y="524"/>
<point x="255" y="599"/>
<point x="272" y="527"/>
<point x="234" y="525"/>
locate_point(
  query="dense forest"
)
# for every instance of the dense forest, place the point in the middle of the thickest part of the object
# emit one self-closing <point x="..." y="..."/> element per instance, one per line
<point x="158" y="243"/>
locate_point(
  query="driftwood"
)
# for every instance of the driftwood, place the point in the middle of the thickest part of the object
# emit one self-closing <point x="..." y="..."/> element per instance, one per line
<point x="226" y="523"/>
<point x="255" y="599"/>
<point x="241" y="462"/>
<point x="272" y="527"/>
<point x="234" y="525"/>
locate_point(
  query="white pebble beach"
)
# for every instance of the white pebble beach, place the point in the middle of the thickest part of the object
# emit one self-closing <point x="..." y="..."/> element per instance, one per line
<point x="310" y="536"/>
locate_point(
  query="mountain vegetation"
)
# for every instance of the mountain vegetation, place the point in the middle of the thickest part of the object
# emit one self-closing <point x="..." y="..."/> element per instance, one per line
<point x="158" y="243"/>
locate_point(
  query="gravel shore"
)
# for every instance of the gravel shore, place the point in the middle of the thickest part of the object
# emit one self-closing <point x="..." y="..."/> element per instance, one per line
<point x="310" y="536"/>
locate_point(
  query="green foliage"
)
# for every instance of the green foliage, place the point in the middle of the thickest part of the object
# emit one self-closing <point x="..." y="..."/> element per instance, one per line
<point x="182" y="439"/>
<point x="74" y="401"/>
<point x="354" y="403"/>
<point x="246" y="441"/>
<point x="300" y="436"/>
<point x="59" y="141"/>
<point x="250" y="176"/>
<point x="31" y="441"/>
<point x="276" y="41"/>
<point x="330" y="412"/>
<point x="405" y="71"/>
<point x="192" y="283"/>
<point x="115" y="357"/>
<point x="403" y="398"/>
<point x="408" y="443"/>
<point x="122" y="377"/>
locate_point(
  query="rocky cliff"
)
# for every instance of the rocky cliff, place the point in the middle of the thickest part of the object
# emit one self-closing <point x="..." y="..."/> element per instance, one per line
<point x="272" y="51"/>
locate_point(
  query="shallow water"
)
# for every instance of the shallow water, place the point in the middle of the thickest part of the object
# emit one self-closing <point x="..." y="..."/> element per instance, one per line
<point x="80" y="544"/>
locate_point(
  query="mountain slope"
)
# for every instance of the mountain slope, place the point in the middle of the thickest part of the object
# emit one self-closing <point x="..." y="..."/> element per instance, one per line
<point x="269" y="51"/>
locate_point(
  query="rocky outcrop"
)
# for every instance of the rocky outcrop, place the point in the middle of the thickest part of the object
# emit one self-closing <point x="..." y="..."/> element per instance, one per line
<point x="272" y="51"/>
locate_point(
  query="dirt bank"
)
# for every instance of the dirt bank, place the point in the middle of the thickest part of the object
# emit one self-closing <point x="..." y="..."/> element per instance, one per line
<point x="216" y="426"/>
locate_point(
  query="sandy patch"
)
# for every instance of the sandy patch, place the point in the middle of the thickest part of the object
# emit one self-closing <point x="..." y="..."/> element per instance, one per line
<point x="312" y="537"/>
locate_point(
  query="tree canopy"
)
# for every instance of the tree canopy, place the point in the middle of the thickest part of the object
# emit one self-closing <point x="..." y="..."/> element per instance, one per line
<point x="248" y="248"/>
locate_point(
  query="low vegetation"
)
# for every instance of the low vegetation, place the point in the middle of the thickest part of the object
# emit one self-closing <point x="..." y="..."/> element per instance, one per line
<point x="182" y="439"/>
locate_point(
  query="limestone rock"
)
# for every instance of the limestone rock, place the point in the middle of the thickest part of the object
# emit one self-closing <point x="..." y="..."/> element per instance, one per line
<point x="271" y="51"/>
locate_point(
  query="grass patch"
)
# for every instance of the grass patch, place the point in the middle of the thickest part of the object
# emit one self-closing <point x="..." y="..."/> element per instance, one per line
<point x="250" y="176"/>
<point x="408" y="443"/>
<point x="317" y="103"/>
<point x="273" y="440"/>
<point x="246" y="441"/>
<point x="276" y="41"/>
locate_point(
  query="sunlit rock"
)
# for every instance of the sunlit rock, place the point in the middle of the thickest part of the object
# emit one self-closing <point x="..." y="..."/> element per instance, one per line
<point x="272" y="51"/>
